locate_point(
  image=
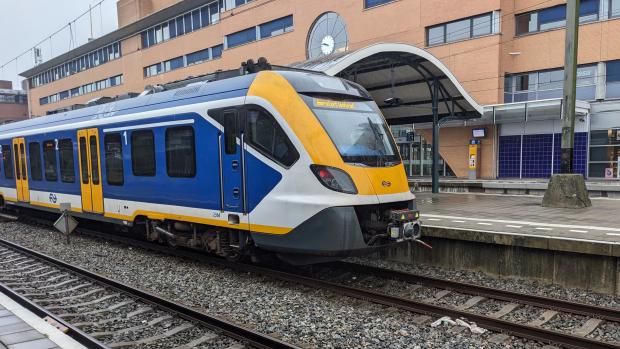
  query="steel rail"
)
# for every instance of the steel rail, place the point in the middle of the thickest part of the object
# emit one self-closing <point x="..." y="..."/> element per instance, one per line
<point x="242" y="334"/>
<point x="487" y="292"/>
<point x="519" y="330"/>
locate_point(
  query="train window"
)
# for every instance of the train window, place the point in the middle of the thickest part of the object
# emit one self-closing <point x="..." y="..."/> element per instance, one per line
<point x="49" y="161"/>
<point x="267" y="137"/>
<point x="22" y="160"/>
<point x="180" y="152"/>
<point x="94" y="159"/>
<point x="84" y="160"/>
<point x="230" y="131"/>
<point x="114" y="159"/>
<point x="34" y="149"/>
<point x="67" y="163"/>
<point x="7" y="162"/>
<point x="16" y="156"/>
<point x="143" y="153"/>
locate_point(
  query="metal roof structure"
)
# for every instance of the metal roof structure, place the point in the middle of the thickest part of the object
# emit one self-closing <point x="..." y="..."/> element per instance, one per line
<point x="400" y="77"/>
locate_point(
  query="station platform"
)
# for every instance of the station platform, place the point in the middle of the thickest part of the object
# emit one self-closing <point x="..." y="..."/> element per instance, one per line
<point x="596" y="188"/>
<point x="21" y="329"/>
<point x="514" y="236"/>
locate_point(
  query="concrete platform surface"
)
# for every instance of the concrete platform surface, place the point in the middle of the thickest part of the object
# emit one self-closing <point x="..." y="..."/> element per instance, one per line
<point x="21" y="329"/>
<point x="521" y="215"/>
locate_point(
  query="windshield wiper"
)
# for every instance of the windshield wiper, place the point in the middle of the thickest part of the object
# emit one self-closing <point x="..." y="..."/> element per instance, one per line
<point x="378" y="138"/>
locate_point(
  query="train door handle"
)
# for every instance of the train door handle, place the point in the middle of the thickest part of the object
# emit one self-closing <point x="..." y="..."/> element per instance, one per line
<point x="235" y="164"/>
<point x="236" y="193"/>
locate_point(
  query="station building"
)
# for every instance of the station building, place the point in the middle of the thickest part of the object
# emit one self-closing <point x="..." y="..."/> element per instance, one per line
<point x="498" y="64"/>
<point x="13" y="103"/>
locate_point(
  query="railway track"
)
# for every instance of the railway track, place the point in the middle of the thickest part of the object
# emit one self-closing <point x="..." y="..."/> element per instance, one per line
<point x="103" y="313"/>
<point x="494" y="322"/>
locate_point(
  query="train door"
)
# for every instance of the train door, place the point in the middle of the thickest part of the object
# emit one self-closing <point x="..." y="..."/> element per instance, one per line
<point x="21" y="174"/>
<point x="90" y="170"/>
<point x="232" y="164"/>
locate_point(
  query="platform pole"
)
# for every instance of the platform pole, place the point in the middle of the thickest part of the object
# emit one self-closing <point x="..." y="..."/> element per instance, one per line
<point x="570" y="85"/>
<point x="435" y="166"/>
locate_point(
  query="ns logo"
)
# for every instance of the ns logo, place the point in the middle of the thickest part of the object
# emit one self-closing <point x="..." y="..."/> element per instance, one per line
<point x="53" y="198"/>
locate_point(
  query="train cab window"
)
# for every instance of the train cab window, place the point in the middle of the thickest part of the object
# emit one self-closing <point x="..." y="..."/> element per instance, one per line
<point x="180" y="152"/>
<point x="7" y="162"/>
<point x="143" y="153"/>
<point x="67" y="163"/>
<point x="230" y="131"/>
<point x="34" y="149"/>
<point x="49" y="161"/>
<point x="267" y="137"/>
<point x="114" y="159"/>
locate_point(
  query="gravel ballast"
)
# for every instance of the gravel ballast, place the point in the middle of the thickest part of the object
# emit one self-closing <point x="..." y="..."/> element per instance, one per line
<point x="307" y="317"/>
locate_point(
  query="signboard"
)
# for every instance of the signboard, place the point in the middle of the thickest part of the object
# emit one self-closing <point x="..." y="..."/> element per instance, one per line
<point x="479" y="132"/>
<point x="609" y="173"/>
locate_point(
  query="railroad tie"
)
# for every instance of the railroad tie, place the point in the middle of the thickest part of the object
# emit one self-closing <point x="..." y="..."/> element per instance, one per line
<point x="439" y="295"/>
<point x="470" y="303"/>
<point x="58" y="284"/>
<point x="74" y="288"/>
<point x="237" y="346"/>
<point x="79" y="305"/>
<point x="69" y="298"/>
<point x="132" y="329"/>
<point x="543" y="318"/>
<point x="196" y="342"/>
<point x="170" y="333"/>
<point x="504" y="310"/>
<point x="12" y="260"/>
<point x="588" y="327"/>
<point x="117" y="318"/>
<point x="98" y="311"/>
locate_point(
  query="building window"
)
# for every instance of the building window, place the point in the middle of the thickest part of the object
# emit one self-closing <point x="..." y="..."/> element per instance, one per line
<point x="216" y="51"/>
<point x="198" y="57"/>
<point x="180" y="152"/>
<point x="614" y="8"/>
<point x="87" y="61"/>
<point x="605" y="153"/>
<point x="613" y="79"/>
<point x="267" y="137"/>
<point x="114" y="159"/>
<point x="373" y="3"/>
<point x="548" y="84"/>
<point x="7" y="161"/>
<point x="461" y="30"/>
<point x="67" y="165"/>
<point x="276" y="27"/>
<point x="78" y="91"/>
<point x="143" y="153"/>
<point x="241" y="37"/>
<point x="34" y="150"/>
<point x="49" y="161"/>
<point x="554" y="17"/>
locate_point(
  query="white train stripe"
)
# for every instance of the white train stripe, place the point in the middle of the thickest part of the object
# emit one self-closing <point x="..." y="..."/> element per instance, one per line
<point x="152" y="125"/>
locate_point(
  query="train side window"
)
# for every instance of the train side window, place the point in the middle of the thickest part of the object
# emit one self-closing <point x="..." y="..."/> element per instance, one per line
<point x="180" y="152"/>
<point x="7" y="162"/>
<point x="22" y="159"/>
<point x="49" y="161"/>
<point x="114" y="159"/>
<point x="34" y="148"/>
<point x="67" y="162"/>
<point x="143" y="153"/>
<point x="230" y="131"/>
<point x="266" y="135"/>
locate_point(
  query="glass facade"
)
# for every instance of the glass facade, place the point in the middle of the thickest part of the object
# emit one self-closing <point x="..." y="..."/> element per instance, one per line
<point x="417" y="153"/>
<point x="183" y="61"/>
<point x="262" y="31"/>
<point x="612" y="89"/>
<point x="82" y="90"/>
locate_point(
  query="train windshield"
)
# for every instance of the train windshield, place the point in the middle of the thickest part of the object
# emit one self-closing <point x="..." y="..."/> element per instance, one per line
<point x="357" y="129"/>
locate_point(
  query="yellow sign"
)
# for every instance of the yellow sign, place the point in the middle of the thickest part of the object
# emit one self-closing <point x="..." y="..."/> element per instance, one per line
<point x="325" y="103"/>
<point x="473" y="156"/>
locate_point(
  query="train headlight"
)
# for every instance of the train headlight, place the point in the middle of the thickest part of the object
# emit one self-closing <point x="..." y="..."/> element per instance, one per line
<point x="334" y="179"/>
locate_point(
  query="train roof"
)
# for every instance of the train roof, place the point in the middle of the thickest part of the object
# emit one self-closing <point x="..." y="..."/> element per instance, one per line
<point x="194" y="93"/>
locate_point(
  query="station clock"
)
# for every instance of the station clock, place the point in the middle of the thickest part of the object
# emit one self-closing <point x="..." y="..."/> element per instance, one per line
<point x="328" y="35"/>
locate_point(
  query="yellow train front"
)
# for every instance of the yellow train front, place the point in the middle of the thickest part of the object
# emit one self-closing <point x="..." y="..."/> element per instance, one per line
<point x="297" y="164"/>
<point x="348" y="193"/>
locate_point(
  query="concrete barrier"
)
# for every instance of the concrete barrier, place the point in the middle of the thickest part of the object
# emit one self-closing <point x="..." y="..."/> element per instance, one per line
<point x="579" y="264"/>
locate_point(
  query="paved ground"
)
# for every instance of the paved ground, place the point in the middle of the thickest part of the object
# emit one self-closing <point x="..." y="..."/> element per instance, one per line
<point x="522" y="215"/>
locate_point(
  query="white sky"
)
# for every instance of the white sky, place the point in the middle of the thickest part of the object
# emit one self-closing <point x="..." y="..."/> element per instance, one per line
<point x="27" y="22"/>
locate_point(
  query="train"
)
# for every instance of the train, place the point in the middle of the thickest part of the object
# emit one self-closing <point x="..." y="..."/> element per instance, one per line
<point x="288" y="163"/>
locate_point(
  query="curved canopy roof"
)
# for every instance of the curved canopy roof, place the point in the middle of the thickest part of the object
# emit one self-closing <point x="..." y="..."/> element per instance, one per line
<point x="399" y="77"/>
